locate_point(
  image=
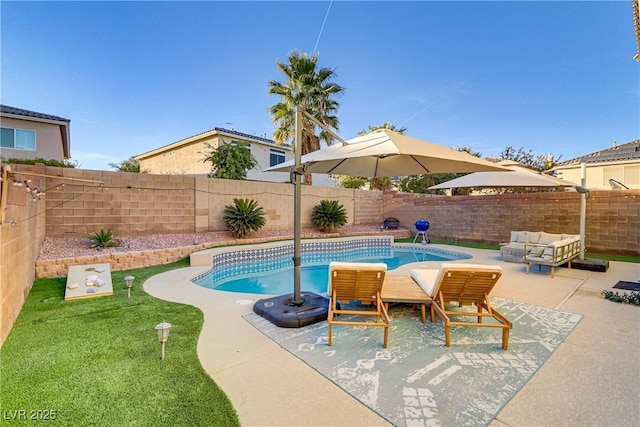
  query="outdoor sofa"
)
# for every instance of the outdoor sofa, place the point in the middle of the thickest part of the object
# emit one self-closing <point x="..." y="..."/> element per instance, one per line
<point x="539" y="247"/>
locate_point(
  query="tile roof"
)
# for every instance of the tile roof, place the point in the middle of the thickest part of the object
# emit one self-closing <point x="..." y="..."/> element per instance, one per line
<point x="628" y="151"/>
<point x="244" y="135"/>
<point x="21" y="112"/>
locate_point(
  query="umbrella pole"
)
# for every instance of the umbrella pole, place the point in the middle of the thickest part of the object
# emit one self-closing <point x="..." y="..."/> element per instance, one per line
<point x="297" y="207"/>
<point x="583" y="208"/>
<point x="289" y="311"/>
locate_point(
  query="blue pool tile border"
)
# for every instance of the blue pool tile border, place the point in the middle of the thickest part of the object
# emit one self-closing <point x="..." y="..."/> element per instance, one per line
<point x="238" y="261"/>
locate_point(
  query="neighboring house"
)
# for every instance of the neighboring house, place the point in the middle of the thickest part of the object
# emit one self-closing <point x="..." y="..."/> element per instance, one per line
<point x="612" y="168"/>
<point x="185" y="157"/>
<point x="30" y="135"/>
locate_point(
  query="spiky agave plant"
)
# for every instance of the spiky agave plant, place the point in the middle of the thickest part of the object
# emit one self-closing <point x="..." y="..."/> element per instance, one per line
<point x="102" y="239"/>
<point x="329" y="215"/>
<point x="243" y="217"/>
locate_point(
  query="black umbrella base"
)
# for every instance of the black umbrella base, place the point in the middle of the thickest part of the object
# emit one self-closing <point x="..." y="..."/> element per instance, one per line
<point x="282" y="312"/>
<point x="601" y="265"/>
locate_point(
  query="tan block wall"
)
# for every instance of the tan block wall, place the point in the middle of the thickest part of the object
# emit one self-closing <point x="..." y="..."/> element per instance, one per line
<point x="127" y="203"/>
<point x="277" y="199"/>
<point x="19" y="248"/>
<point x="612" y="217"/>
<point x="368" y="207"/>
<point x="135" y="204"/>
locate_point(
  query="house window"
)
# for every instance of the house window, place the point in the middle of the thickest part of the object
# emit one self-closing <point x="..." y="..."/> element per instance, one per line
<point x="18" y="138"/>
<point x="276" y="157"/>
<point x="247" y="145"/>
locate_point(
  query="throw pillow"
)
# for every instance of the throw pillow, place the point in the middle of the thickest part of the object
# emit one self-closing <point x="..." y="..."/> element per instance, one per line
<point x="536" y="251"/>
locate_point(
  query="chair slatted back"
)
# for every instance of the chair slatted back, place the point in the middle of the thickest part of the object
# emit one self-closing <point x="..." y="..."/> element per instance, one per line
<point x="357" y="285"/>
<point x="466" y="286"/>
<point x="357" y="281"/>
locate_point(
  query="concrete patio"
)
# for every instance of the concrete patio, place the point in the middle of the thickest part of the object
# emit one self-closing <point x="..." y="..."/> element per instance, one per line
<point x="591" y="380"/>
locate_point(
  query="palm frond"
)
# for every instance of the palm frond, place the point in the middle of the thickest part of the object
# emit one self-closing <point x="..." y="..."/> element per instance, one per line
<point x="310" y="88"/>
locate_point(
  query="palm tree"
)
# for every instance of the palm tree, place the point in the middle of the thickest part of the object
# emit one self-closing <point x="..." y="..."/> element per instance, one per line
<point x="312" y="89"/>
<point x="385" y="125"/>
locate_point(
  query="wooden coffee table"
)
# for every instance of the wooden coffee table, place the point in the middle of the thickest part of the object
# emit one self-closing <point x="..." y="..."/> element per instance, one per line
<point x="400" y="288"/>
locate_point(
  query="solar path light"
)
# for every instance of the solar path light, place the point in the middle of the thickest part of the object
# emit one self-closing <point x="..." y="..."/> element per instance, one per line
<point x="162" y="329"/>
<point x="129" y="281"/>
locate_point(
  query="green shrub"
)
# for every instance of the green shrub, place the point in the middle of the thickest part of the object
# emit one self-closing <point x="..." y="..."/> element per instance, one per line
<point x="243" y="217"/>
<point x="230" y="161"/>
<point x="329" y="215"/>
<point x="102" y="239"/>
<point x="46" y="162"/>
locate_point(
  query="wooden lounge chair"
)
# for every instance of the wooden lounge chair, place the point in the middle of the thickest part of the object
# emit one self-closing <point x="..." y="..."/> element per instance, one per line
<point x="357" y="281"/>
<point x="464" y="284"/>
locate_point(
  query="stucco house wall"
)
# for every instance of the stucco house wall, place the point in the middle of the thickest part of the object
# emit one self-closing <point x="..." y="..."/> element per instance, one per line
<point x="51" y="132"/>
<point x="598" y="174"/>
<point x="185" y="157"/>
<point x="619" y="162"/>
<point x="183" y="160"/>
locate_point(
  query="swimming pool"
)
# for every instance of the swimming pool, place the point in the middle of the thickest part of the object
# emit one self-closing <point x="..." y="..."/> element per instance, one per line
<point x="269" y="270"/>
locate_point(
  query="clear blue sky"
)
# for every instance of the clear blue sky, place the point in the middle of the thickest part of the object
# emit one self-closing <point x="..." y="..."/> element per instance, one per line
<point x="554" y="77"/>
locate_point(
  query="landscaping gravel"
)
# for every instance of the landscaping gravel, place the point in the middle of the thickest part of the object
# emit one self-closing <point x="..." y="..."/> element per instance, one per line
<point x="60" y="247"/>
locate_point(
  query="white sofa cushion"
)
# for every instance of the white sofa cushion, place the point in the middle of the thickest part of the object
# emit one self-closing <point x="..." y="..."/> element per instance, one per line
<point x="571" y="236"/>
<point x="536" y="251"/>
<point x="547" y="238"/>
<point x="518" y="237"/>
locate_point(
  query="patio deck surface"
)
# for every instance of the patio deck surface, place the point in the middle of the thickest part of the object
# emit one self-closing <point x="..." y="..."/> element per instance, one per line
<point x="592" y="379"/>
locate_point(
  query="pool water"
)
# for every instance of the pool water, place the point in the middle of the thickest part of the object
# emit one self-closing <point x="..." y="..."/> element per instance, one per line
<point x="313" y="277"/>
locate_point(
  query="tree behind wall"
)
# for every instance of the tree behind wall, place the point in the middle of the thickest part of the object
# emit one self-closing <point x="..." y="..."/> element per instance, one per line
<point x="538" y="162"/>
<point x="230" y="161"/>
<point x="129" y="165"/>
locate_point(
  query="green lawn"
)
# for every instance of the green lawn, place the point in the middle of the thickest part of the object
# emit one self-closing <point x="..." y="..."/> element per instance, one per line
<point x="446" y="242"/>
<point x="97" y="361"/>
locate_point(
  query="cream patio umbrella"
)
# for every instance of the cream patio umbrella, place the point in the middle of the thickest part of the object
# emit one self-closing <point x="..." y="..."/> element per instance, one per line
<point x="517" y="176"/>
<point x="377" y="154"/>
<point x="387" y="153"/>
<point x="520" y="176"/>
